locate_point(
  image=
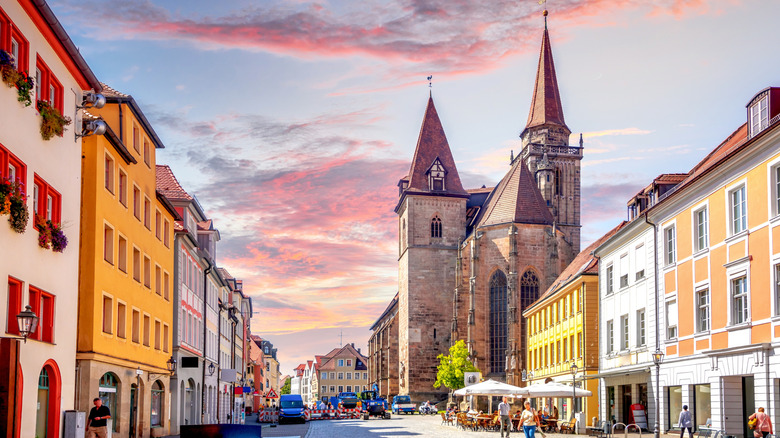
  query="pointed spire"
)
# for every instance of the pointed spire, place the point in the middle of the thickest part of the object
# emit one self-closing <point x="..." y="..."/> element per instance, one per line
<point x="432" y="145"/>
<point x="546" y="105"/>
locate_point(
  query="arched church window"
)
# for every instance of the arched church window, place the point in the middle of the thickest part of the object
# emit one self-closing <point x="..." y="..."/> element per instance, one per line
<point x="529" y="292"/>
<point x="498" y="329"/>
<point x="436" y="227"/>
<point x="558" y="182"/>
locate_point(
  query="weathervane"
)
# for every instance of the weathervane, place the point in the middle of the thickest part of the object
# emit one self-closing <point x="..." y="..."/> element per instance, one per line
<point x="430" y="81"/>
<point x="542" y="2"/>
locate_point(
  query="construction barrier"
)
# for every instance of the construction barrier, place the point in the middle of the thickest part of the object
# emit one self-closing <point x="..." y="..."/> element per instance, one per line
<point x="268" y="416"/>
<point x="313" y="414"/>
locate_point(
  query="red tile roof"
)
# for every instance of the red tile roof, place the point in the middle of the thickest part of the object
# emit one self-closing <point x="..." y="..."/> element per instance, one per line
<point x="516" y="199"/>
<point x="111" y="92"/>
<point x="584" y="263"/>
<point x="169" y="186"/>
<point x="432" y="144"/>
<point x="546" y="105"/>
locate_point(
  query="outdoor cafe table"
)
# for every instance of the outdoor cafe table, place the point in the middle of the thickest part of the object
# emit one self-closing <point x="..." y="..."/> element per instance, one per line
<point x="551" y="424"/>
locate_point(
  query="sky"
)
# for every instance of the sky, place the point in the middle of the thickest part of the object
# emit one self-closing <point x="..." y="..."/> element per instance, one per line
<point x="292" y="121"/>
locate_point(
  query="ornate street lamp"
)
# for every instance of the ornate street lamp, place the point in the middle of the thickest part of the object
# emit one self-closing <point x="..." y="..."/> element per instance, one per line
<point x="212" y="368"/>
<point x="658" y="357"/>
<point x="573" y="369"/>
<point x="172" y="365"/>
<point x="28" y="322"/>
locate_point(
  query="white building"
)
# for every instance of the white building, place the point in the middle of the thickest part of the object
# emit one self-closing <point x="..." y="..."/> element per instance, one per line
<point x="41" y="372"/>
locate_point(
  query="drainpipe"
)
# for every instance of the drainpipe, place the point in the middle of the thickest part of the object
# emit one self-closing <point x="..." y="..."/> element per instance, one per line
<point x="219" y="353"/>
<point x="657" y="325"/>
<point x="206" y="273"/>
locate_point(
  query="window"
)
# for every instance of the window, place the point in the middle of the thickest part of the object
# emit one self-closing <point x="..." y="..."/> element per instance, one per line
<point x="136" y="139"/>
<point x="109" y="177"/>
<point x="565" y="350"/>
<point x="639" y="259"/>
<point x="610" y="336"/>
<point x="332" y="389"/>
<point x="332" y="376"/>
<point x="136" y="326"/>
<point x="107" y="314"/>
<point x="158" y="224"/>
<point x="157" y="333"/>
<point x="641" y="339"/>
<point x="739" y="300"/>
<point x="703" y="310"/>
<point x="47" y="87"/>
<point x="349" y="376"/>
<point x="14" y="305"/>
<point x="166" y="233"/>
<point x="324" y="376"/>
<point x="670" y="251"/>
<point x="165" y="338"/>
<point x="624" y="332"/>
<point x="137" y="203"/>
<point x="42" y="304"/>
<point x="108" y="244"/>
<point x="777" y="289"/>
<point x="147" y="213"/>
<point x="498" y="329"/>
<point x="341" y="363"/>
<point x="609" y="276"/>
<point x="700" y="229"/>
<point x="341" y="376"/>
<point x="624" y="271"/>
<point x="349" y="388"/>
<point x="121" y="316"/>
<point x="122" y="254"/>
<point x="571" y="347"/>
<point x="436" y="176"/>
<point x="12" y="41"/>
<point x="365" y="376"/>
<point x="166" y="288"/>
<point x="122" y="187"/>
<point x="341" y="388"/>
<point x="671" y="319"/>
<point x="12" y="168"/>
<point x="158" y="279"/>
<point x="147" y="152"/>
<point x="147" y="329"/>
<point x="776" y="190"/>
<point x="136" y="265"/>
<point x="738" y="210"/>
<point x="47" y="202"/>
<point x="349" y="362"/>
<point x="323" y="389"/>
<point x="759" y="115"/>
<point x="436" y="227"/>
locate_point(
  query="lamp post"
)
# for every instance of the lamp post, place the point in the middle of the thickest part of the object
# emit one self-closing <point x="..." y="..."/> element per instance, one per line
<point x="28" y="322"/>
<point x="658" y="357"/>
<point x="573" y="369"/>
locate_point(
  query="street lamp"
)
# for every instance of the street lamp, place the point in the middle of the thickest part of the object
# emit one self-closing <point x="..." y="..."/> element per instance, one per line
<point x="573" y="369"/>
<point x="658" y="357"/>
<point x="28" y="322"/>
<point x="172" y="365"/>
<point x="212" y="368"/>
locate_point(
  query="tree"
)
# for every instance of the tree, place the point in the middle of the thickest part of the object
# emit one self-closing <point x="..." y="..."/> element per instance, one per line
<point x="286" y="387"/>
<point x="452" y="367"/>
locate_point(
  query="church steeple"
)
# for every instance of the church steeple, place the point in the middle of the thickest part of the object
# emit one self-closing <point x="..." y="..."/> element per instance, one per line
<point x="546" y="108"/>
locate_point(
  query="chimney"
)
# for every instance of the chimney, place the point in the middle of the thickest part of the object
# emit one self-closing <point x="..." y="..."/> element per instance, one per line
<point x="353" y="345"/>
<point x="358" y="349"/>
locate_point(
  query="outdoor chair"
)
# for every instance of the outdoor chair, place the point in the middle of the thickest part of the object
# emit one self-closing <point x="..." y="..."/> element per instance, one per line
<point x="569" y="427"/>
<point x="445" y="419"/>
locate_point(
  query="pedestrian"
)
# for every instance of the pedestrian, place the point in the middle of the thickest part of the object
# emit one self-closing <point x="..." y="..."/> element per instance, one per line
<point x="763" y="424"/>
<point x="528" y="420"/>
<point x="503" y="412"/>
<point x="685" y="422"/>
<point x="96" y="423"/>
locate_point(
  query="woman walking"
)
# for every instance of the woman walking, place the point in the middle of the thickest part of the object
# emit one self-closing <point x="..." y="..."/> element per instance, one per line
<point x="686" y="422"/>
<point x="763" y="424"/>
<point x="528" y="420"/>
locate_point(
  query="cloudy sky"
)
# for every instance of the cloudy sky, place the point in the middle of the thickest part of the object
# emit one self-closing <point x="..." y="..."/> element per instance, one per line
<point x="293" y="120"/>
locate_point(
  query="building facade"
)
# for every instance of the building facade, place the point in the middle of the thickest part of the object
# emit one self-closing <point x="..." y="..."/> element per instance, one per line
<point x="342" y="370"/>
<point x="719" y="281"/>
<point x="383" y="352"/>
<point x="563" y="334"/>
<point x="126" y="269"/>
<point x="488" y="252"/>
<point x="42" y="178"/>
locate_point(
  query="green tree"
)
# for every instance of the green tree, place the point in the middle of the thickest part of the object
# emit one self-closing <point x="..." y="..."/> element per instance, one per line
<point x="286" y="387"/>
<point x="451" y="367"/>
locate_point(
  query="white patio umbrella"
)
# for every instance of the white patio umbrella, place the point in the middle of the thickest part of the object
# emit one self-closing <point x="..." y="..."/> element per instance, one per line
<point x="552" y="389"/>
<point x="489" y="387"/>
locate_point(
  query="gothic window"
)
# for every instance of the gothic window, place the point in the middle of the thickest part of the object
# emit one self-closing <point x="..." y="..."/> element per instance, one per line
<point x="436" y="227"/>
<point x="436" y="174"/>
<point x="558" y="182"/>
<point x="498" y="328"/>
<point x="529" y="292"/>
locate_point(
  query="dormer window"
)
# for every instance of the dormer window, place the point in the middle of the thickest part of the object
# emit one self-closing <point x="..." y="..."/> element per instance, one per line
<point x="436" y="174"/>
<point x="758" y="114"/>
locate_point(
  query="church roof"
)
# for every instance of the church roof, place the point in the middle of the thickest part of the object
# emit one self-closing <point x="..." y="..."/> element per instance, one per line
<point x="516" y="199"/>
<point x="432" y="144"/>
<point x="546" y="108"/>
<point x="584" y="263"/>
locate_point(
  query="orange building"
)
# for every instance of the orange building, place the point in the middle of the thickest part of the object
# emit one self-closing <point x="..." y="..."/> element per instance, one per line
<point x="718" y="259"/>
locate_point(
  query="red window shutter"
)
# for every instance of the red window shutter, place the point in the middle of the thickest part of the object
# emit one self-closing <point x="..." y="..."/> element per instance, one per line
<point x="14" y="305"/>
<point x="47" y="318"/>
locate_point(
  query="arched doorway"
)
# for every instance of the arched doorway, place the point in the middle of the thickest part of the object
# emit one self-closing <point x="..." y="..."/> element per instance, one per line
<point x="133" y="409"/>
<point x="108" y="388"/>
<point x="47" y="418"/>
<point x="156" y="413"/>
<point x="42" y="416"/>
<point x="189" y="404"/>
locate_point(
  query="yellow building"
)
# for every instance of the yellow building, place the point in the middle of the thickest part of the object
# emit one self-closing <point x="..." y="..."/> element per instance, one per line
<point x="563" y="331"/>
<point x="719" y="279"/>
<point x="126" y="269"/>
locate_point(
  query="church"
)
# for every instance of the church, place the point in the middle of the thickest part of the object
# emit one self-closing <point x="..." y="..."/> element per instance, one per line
<point x="471" y="260"/>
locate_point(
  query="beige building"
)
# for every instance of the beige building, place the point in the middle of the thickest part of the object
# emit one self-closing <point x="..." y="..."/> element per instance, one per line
<point x="344" y="369"/>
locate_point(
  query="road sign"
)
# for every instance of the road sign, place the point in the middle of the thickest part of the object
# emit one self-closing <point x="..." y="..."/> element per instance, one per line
<point x="271" y="394"/>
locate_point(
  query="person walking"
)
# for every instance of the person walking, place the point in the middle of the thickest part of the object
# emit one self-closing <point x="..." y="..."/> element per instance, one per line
<point x="763" y="424"/>
<point x="503" y="412"/>
<point x="685" y="422"/>
<point x="528" y="420"/>
<point x="96" y="423"/>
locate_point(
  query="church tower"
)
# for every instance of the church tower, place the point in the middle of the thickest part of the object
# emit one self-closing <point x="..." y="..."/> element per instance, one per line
<point x="431" y="223"/>
<point x="546" y="150"/>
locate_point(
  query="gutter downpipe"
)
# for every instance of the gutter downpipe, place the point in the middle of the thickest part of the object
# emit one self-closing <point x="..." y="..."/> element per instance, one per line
<point x="206" y="273"/>
<point x="657" y="332"/>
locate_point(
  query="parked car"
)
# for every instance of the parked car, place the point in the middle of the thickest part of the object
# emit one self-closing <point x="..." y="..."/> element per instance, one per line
<point x="348" y="400"/>
<point x="403" y="404"/>
<point x="291" y="408"/>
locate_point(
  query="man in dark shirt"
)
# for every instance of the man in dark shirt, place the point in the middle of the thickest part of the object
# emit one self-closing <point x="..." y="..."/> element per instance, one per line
<point x="96" y="423"/>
